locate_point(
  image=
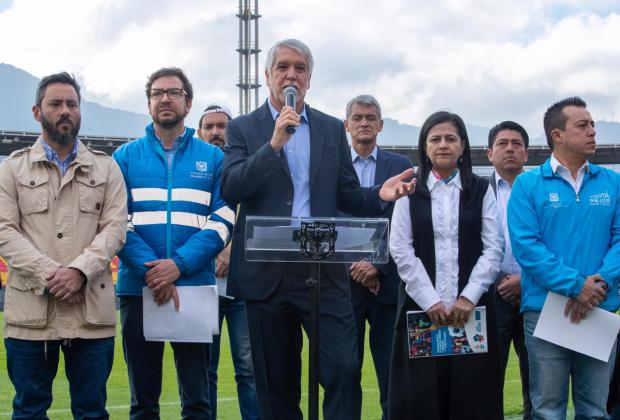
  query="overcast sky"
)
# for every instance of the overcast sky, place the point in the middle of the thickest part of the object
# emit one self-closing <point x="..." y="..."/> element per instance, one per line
<point x="486" y="60"/>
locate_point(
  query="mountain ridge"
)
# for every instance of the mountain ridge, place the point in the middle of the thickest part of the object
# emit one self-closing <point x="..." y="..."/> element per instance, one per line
<point x="20" y="86"/>
<point x="16" y="113"/>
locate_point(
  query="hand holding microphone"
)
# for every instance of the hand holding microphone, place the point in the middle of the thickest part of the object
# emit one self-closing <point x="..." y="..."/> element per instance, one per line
<point x="290" y="99"/>
<point x="287" y="121"/>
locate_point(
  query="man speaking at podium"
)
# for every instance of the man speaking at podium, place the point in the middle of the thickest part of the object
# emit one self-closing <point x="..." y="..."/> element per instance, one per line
<point x="273" y="170"/>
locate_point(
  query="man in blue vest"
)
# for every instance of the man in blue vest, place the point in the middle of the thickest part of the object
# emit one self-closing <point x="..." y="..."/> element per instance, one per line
<point x="178" y="224"/>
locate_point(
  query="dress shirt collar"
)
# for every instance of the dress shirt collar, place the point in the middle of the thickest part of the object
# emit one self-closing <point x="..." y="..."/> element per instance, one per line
<point x="274" y="113"/>
<point x="355" y="156"/>
<point x="501" y="182"/>
<point x="555" y="165"/>
<point x="175" y="144"/>
<point x="53" y="156"/>
<point x="432" y="181"/>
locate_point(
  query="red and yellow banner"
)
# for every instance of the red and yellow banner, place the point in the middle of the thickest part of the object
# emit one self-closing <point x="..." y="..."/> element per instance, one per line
<point x="4" y="272"/>
<point x="114" y="267"/>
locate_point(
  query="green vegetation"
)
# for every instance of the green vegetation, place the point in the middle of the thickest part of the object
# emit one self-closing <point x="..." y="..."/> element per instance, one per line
<point x="228" y="409"/>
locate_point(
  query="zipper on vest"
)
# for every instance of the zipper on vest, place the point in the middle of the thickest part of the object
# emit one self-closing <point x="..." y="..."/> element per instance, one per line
<point x="170" y="165"/>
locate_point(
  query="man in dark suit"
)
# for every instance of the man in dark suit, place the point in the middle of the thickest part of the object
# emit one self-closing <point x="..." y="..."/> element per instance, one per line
<point x="374" y="290"/>
<point x="507" y="151"/>
<point x="309" y="173"/>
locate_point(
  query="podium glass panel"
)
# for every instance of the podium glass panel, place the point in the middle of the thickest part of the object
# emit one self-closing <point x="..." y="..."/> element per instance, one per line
<point x="279" y="239"/>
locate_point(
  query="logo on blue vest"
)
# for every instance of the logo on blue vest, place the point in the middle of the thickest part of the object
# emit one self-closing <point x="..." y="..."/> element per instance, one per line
<point x="201" y="166"/>
<point x="554" y="197"/>
<point x="602" y="199"/>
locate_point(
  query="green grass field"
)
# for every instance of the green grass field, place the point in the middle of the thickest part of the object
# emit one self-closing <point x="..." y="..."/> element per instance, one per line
<point x="118" y="388"/>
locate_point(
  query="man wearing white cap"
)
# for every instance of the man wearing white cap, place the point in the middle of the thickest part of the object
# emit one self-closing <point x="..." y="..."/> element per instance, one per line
<point x="212" y="125"/>
<point x="212" y="129"/>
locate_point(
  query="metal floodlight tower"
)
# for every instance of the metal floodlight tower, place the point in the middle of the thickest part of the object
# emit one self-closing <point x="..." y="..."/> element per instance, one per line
<point x="248" y="55"/>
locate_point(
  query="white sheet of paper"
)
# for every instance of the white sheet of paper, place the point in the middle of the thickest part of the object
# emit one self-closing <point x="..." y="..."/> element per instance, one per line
<point x="222" y="287"/>
<point x="196" y="321"/>
<point x="593" y="336"/>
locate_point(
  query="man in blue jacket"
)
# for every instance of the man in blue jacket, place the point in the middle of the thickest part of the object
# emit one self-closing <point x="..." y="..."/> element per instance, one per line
<point x="178" y="223"/>
<point x="564" y="222"/>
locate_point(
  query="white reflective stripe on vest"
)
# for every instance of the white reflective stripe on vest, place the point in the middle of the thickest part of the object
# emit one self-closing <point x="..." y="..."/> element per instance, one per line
<point x="178" y="194"/>
<point x="189" y="194"/>
<point x="227" y="214"/>
<point x="141" y="218"/>
<point x="180" y="218"/>
<point x="219" y="227"/>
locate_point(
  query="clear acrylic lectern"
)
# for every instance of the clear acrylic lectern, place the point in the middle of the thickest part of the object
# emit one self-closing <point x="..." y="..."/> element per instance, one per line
<point x="317" y="241"/>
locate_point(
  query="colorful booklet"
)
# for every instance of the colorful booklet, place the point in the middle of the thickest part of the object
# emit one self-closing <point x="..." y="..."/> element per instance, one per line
<point x="425" y="340"/>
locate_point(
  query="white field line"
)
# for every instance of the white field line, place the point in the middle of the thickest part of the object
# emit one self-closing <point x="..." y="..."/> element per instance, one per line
<point x="167" y="403"/>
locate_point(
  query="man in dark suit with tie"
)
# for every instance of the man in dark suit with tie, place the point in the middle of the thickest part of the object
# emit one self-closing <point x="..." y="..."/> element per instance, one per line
<point x="374" y="290"/>
<point x="270" y="172"/>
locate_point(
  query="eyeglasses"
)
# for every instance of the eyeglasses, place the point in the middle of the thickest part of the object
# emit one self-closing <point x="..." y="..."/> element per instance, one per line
<point x="174" y="94"/>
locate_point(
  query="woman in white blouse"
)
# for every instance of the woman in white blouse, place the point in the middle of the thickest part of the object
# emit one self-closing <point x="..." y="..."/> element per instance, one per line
<point x="445" y="242"/>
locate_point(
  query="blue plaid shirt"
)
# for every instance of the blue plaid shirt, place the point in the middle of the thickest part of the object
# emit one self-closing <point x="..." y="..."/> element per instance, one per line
<point x="53" y="157"/>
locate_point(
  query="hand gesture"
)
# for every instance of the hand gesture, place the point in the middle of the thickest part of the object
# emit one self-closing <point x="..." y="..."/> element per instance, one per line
<point x="366" y="274"/>
<point x="280" y="137"/>
<point x="576" y="310"/>
<point x="164" y="294"/>
<point x="161" y="274"/>
<point x="593" y="292"/>
<point x="373" y="285"/>
<point x="509" y="288"/>
<point x="65" y="283"/>
<point x="222" y="262"/>
<point x="461" y="310"/>
<point x="77" y="297"/>
<point x="396" y="187"/>
<point x="439" y="315"/>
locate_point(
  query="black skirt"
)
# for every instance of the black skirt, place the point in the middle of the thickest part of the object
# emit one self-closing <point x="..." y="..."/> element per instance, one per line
<point x="466" y="387"/>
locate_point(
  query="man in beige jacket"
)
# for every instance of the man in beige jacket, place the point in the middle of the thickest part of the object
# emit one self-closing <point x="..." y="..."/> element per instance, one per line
<point x="63" y="217"/>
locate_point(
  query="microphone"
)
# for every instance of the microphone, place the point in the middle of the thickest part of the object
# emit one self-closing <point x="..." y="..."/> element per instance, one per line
<point x="290" y="99"/>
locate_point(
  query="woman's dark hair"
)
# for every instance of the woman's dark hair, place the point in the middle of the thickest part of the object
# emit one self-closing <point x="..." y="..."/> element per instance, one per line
<point x="464" y="164"/>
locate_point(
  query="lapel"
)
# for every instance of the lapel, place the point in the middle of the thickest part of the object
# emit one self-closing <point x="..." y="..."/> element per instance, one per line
<point x="265" y="126"/>
<point x="383" y="167"/>
<point x="317" y="140"/>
